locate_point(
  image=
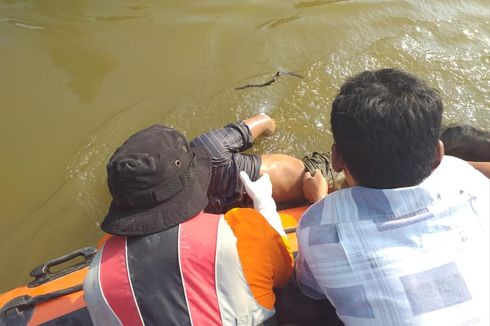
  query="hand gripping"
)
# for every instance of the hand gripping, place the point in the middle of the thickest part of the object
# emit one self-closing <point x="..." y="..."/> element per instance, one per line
<point x="261" y="193"/>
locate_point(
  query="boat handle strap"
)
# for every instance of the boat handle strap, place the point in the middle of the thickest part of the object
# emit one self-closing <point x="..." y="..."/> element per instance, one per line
<point x="42" y="273"/>
<point x="27" y="301"/>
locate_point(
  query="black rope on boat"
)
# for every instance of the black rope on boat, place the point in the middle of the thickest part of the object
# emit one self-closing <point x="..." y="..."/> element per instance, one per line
<point x="28" y="301"/>
<point x="267" y="83"/>
<point x="289" y="230"/>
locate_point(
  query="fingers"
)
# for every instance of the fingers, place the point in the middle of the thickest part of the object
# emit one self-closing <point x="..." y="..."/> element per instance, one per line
<point x="318" y="175"/>
<point x="314" y="187"/>
<point x="247" y="183"/>
<point x="264" y="179"/>
<point x="260" y="191"/>
<point x="244" y="177"/>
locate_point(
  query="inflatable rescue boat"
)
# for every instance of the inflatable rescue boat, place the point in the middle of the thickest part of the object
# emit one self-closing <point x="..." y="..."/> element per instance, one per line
<point x="55" y="296"/>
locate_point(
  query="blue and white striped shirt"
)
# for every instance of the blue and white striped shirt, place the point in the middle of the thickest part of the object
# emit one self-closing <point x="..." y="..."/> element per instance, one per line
<point x="410" y="256"/>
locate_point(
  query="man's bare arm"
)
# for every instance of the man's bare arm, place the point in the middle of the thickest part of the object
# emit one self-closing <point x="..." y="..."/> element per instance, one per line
<point x="483" y="167"/>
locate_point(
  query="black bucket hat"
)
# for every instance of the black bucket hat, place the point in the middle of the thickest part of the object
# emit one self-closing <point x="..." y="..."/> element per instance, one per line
<point x="157" y="181"/>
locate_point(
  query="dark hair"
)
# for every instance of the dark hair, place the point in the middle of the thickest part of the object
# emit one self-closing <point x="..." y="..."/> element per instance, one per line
<point x="386" y="125"/>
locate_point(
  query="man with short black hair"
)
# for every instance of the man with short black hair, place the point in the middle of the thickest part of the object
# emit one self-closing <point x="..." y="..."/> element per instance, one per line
<point x="386" y="125"/>
<point x="408" y="242"/>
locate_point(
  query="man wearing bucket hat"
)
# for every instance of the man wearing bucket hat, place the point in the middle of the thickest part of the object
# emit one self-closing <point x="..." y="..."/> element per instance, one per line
<point x="169" y="263"/>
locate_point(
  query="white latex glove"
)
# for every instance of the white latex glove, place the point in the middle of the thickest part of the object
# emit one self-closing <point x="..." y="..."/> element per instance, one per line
<point x="261" y="193"/>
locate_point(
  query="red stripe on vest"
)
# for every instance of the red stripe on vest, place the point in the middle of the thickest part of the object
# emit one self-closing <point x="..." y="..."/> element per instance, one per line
<point x="114" y="282"/>
<point x="198" y="238"/>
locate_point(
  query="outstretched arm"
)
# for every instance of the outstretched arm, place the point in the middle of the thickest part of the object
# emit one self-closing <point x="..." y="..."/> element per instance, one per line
<point x="260" y="124"/>
<point x="483" y="167"/>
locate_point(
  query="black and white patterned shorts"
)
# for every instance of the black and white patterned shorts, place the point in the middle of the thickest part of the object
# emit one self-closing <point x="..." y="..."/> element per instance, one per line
<point x="225" y="145"/>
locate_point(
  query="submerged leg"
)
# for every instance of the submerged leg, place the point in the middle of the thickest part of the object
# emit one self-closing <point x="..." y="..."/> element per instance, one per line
<point x="260" y="124"/>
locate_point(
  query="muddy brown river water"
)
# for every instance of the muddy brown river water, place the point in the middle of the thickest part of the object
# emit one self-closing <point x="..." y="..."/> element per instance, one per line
<point x="78" y="77"/>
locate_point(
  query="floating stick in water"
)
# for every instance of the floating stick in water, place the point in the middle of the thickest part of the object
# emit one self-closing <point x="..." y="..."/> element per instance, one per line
<point x="267" y="83"/>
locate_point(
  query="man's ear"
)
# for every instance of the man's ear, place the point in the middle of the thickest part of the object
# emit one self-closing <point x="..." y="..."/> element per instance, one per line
<point x="338" y="165"/>
<point x="439" y="153"/>
<point x="337" y="160"/>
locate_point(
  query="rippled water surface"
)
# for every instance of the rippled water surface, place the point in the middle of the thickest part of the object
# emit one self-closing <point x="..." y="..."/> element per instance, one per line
<point x="78" y="77"/>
